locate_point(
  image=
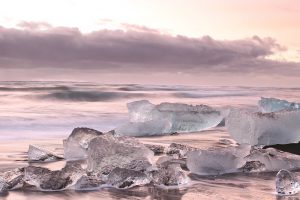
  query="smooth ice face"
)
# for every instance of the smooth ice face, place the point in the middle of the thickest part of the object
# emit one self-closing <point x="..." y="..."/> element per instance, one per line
<point x="264" y="128"/>
<point x="165" y="118"/>
<point x="47" y="180"/>
<point x="107" y="152"/>
<point x="75" y="146"/>
<point x="125" y="178"/>
<point x="273" y="105"/>
<point x="219" y="161"/>
<point x="36" y="153"/>
<point x="286" y="183"/>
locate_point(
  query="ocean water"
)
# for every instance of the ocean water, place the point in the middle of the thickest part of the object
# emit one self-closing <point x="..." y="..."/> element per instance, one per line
<point x="46" y="112"/>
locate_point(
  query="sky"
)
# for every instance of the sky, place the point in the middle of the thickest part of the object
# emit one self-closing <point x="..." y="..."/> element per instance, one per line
<point x="190" y="42"/>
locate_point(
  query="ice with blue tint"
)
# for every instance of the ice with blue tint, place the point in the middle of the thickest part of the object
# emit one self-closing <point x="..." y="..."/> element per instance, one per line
<point x="286" y="183"/>
<point x="166" y="118"/>
<point x="258" y="128"/>
<point x="273" y="105"/>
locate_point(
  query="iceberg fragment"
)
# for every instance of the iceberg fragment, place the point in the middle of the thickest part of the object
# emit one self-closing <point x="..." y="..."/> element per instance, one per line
<point x="47" y="180"/>
<point x="36" y="153"/>
<point x="107" y="152"/>
<point x="264" y="128"/>
<point x="157" y="149"/>
<point x="267" y="105"/>
<point x="125" y="178"/>
<point x="166" y="118"/>
<point x="88" y="183"/>
<point x="3" y="186"/>
<point x="179" y="150"/>
<point x="242" y="158"/>
<point x="286" y="183"/>
<point x="75" y="146"/>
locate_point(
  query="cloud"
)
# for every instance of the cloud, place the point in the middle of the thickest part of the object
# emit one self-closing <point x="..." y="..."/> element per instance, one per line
<point x="40" y="45"/>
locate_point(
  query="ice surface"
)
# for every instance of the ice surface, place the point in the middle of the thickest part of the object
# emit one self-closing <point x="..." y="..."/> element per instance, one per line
<point x="165" y="118"/>
<point x="169" y="174"/>
<point x="179" y="150"/>
<point x="126" y="178"/>
<point x="47" y="180"/>
<point x="13" y="178"/>
<point x="273" y="105"/>
<point x="75" y="146"/>
<point x="3" y="186"/>
<point x="286" y="183"/>
<point x="219" y="161"/>
<point x="88" y="183"/>
<point x="107" y="152"/>
<point x="243" y="158"/>
<point x="264" y="128"/>
<point x="36" y="153"/>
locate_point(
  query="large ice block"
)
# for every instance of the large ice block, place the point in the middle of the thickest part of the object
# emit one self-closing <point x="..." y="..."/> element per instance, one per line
<point x="166" y="118"/>
<point x="242" y="158"/>
<point x="264" y="128"/>
<point x="286" y="183"/>
<point x="75" y="146"/>
<point x="267" y="105"/>
<point x="107" y="152"/>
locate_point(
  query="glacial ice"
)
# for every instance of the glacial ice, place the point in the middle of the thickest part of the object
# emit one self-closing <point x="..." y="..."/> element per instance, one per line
<point x="219" y="161"/>
<point x="13" y="179"/>
<point x="107" y="152"/>
<point x="76" y="145"/>
<point x="179" y="150"/>
<point x="286" y="183"/>
<point x="242" y="158"/>
<point x="88" y="183"/>
<point x="157" y="149"/>
<point x="264" y="128"/>
<point x="169" y="174"/>
<point x="3" y="187"/>
<point x="166" y="118"/>
<point x="47" y="180"/>
<point x="125" y="178"/>
<point x="267" y="105"/>
<point x="36" y="153"/>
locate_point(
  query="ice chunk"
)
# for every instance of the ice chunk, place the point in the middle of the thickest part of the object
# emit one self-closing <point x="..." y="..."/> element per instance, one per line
<point x="169" y="174"/>
<point x="36" y="153"/>
<point x="88" y="183"/>
<point x="107" y="152"/>
<point x="166" y="118"/>
<point x="13" y="178"/>
<point x="264" y="128"/>
<point x="253" y="166"/>
<point x="273" y="105"/>
<point x="75" y="146"/>
<point x="274" y="160"/>
<point x="126" y="178"/>
<point x="286" y="183"/>
<point x="219" y="161"/>
<point x="47" y="180"/>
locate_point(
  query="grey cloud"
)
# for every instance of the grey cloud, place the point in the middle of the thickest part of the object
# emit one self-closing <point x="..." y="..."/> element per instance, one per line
<point x="139" y="48"/>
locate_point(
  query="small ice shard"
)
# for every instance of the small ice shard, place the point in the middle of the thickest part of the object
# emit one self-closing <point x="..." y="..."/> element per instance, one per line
<point x="47" y="180"/>
<point x="107" y="152"/>
<point x="125" y="178"/>
<point x="286" y="183"/>
<point x="36" y="153"/>
<point x="88" y="183"/>
<point x="169" y="175"/>
<point x="75" y="146"/>
<point x="13" y="178"/>
<point x="264" y="128"/>
<point x="267" y="105"/>
<point x="168" y="160"/>
<point x="253" y="166"/>
<point x="166" y="118"/>
<point x="225" y="142"/>
<point x="179" y="150"/>
<point x="157" y="149"/>
<point x="219" y="161"/>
